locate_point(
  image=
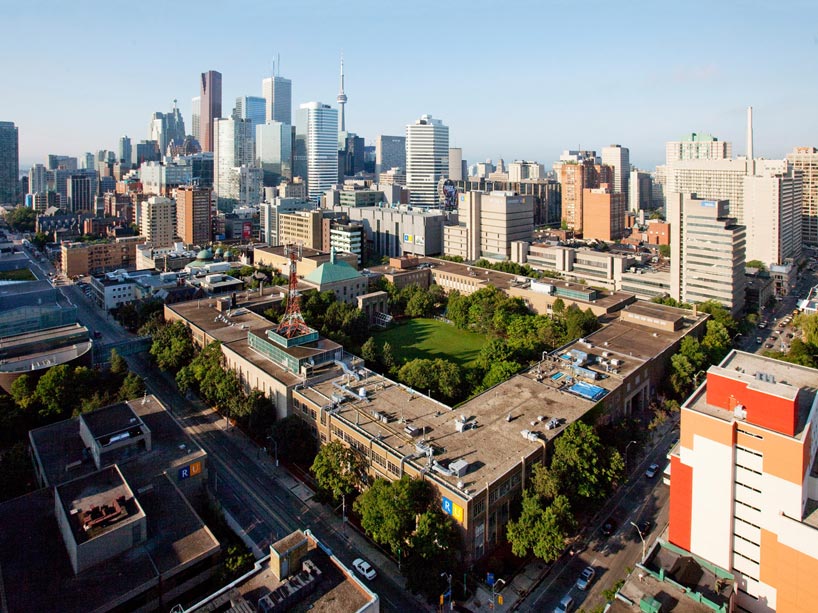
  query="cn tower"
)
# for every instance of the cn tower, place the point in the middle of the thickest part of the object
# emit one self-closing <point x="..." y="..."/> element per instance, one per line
<point x="342" y="98"/>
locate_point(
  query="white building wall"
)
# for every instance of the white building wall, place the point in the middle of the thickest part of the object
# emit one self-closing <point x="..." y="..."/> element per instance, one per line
<point x="427" y="159"/>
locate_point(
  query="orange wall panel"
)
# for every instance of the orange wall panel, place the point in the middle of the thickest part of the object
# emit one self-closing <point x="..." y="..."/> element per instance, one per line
<point x="792" y="573"/>
<point x="696" y="423"/>
<point x="681" y="503"/>
<point x="766" y="410"/>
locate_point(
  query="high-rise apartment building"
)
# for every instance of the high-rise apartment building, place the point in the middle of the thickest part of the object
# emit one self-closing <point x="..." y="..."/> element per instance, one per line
<point x="210" y="107"/>
<point x="195" y="118"/>
<point x="274" y="151"/>
<point x="575" y="177"/>
<point x="157" y="222"/>
<point x="487" y="224"/>
<point x="390" y="152"/>
<point x="278" y="95"/>
<point x="520" y="170"/>
<point x="9" y="162"/>
<point x="124" y="152"/>
<point x="427" y="159"/>
<point x="270" y="211"/>
<point x="805" y="160"/>
<point x="640" y="191"/>
<point x="772" y="215"/>
<point x="234" y="146"/>
<point x="695" y="146"/>
<point x="603" y="214"/>
<point x="252" y="108"/>
<point x="301" y="227"/>
<point x="37" y="179"/>
<point x="316" y="147"/>
<point x="743" y="487"/>
<point x="193" y="215"/>
<point x="708" y="252"/>
<point x="618" y="158"/>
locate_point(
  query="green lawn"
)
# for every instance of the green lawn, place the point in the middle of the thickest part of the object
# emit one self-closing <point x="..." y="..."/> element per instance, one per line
<point x="430" y="339"/>
<point x="22" y="274"/>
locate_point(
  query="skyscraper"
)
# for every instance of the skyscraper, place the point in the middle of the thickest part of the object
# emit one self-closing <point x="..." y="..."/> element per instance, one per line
<point x="316" y="147"/>
<point x="9" y="162"/>
<point x="195" y="118"/>
<point x="37" y="179"/>
<point x="252" y="108"/>
<point x="211" y="107"/>
<point x="342" y="99"/>
<point x="278" y="96"/>
<point x="234" y="143"/>
<point x="427" y="159"/>
<point x="618" y="158"/>
<point x="390" y="152"/>
<point x="805" y="159"/>
<point x="174" y="127"/>
<point x="124" y="154"/>
<point x="274" y="151"/>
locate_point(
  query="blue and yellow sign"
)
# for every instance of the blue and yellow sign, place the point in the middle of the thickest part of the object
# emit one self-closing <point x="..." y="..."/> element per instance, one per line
<point x="453" y="509"/>
<point x="191" y="470"/>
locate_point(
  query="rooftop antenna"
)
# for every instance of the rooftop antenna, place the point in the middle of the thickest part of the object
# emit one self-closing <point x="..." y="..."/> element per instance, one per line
<point x="293" y="324"/>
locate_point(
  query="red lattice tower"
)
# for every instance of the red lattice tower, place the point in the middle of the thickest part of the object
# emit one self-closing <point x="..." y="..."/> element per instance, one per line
<point x="293" y="324"/>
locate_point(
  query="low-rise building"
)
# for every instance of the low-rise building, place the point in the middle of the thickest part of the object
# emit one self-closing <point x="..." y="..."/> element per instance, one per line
<point x="277" y="257"/>
<point x="339" y="277"/>
<point x="79" y="259"/>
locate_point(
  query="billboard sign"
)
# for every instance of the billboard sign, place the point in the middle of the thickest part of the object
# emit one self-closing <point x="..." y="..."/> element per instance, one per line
<point x="452" y="508"/>
<point x="191" y="470"/>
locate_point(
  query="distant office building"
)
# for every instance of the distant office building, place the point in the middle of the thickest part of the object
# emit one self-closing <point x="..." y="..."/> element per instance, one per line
<point x="350" y="156"/>
<point x="147" y="151"/>
<point x="124" y="155"/>
<point x="234" y="146"/>
<point x="246" y="181"/>
<point x="88" y="161"/>
<point x="708" y="252"/>
<point x="457" y="166"/>
<point x="158" y="221"/>
<point x="250" y="107"/>
<point x="524" y="171"/>
<point x="196" y="118"/>
<point x="278" y="97"/>
<point x="270" y="211"/>
<point x="316" y="147"/>
<point x="390" y="152"/>
<point x="292" y="189"/>
<point x="487" y="224"/>
<point x="81" y="191"/>
<point x="344" y="237"/>
<point x="546" y="194"/>
<point x="42" y="201"/>
<point x="210" y="107"/>
<point x="603" y="214"/>
<point x="805" y="160"/>
<point x="61" y="161"/>
<point x="9" y="162"/>
<point x="773" y="216"/>
<point x="37" y="179"/>
<point x="698" y="147"/>
<point x="161" y="179"/>
<point x="301" y="228"/>
<point x="575" y="156"/>
<point x="274" y="151"/>
<point x="427" y="159"/>
<point x="174" y="128"/>
<point x="640" y="191"/>
<point x="394" y="232"/>
<point x="618" y="158"/>
<point x="575" y="178"/>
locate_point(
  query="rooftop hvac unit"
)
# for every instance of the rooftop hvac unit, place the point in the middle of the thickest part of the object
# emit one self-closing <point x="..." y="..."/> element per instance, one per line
<point x="531" y="436"/>
<point x="459" y="467"/>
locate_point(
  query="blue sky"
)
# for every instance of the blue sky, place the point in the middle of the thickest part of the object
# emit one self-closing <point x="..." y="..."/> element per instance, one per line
<point x="519" y="79"/>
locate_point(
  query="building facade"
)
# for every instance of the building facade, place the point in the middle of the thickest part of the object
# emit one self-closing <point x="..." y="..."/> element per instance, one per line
<point x="278" y="99"/>
<point x="773" y="216"/>
<point x="210" y="105"/>
<point x="158" y="221"/>
<point x="390" y="152"/>
<point x="9" y="162"/>
<point x="697" y="147"/>
<point x="234" y="146"/>
<point x="274" y="151"/>
<point x="427" y="159"/>
<point x="193" y="215"/>
<point x="316" y="147"/>
<point x="603" y="214"/>
<point x="805" y="160"/>
<point x="396" y="231"/>
<point x="618" y="158"/>
<point x="252" y="108"/>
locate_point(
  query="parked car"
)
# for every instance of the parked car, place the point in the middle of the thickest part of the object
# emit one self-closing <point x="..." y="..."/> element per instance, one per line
<point x="650" y="473"/>
<point x="365" y="568"/>
<point x="585" y="577"/>
<point x="644" y="527"/>
<point x="566" y="605"/>
<point x="608" y="527"/>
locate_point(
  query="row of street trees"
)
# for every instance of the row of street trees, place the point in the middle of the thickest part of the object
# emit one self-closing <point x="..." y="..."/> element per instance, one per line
<point x="401" y="515"/>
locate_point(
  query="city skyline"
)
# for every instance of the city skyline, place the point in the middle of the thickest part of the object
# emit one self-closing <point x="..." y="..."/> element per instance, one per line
<point x="567" y="87"/>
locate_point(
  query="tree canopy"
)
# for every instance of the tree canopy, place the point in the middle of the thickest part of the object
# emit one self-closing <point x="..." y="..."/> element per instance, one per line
<point x="338" y="469"/>
<point x="172" y="346"/>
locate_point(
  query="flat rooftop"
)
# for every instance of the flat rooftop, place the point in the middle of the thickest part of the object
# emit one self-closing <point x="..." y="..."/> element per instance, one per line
<point x="336" y="591"/>
<point x="35" y="571"/>
<point x="111" y="420"/>
<point x="225" y="326"/>
<point x="63" y="456"/>
<point x="490" y="445"/>
<point x="785" y="381"/>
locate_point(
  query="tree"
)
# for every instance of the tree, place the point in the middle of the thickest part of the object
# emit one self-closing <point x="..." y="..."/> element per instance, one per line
<point x="132" y="387"/>
<point x="294" y="439"/>
<point x="172" y="346"/>
<point x="388" y="509"/>
<point x="22" y="391"/>
<point x="457" y="309"/>
<point x="56" y="392"/>
<point x="499" y="372"/>
<point x="338" y="469"/>
<point x="757" y="264"/>
<point x="369" y="351"/>
<point x="586" y="468"/>
<point x="439" y="376"/>
<point x="558" y="307"/>
<point x="118" y="364"/>
<point x="716" y="342"/>
<point x="541" y="530"/>
<point x="387" y="357"/>
<point x="664" y="251"/>
<point x="421" y="304"/>
<point x="22" y="219"/>
<point x="432" y="548"/>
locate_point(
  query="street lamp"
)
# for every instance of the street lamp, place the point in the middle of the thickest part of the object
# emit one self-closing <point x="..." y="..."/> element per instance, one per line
<point x="696" y="378"/>
<point x="641" y="536"/>
<point x="494" y="592"/>
<point x="626" y="458"/>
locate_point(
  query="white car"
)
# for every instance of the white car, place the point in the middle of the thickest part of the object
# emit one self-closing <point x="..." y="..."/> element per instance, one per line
<point x="365" y="568"/>
<point x="585" y="577"/>
<point x="650" y="473"/>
